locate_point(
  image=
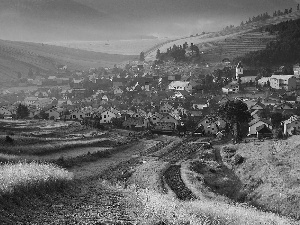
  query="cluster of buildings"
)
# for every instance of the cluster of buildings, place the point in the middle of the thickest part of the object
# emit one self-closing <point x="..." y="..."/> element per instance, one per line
<point x="276" y="81"/>
<point x="141" y="98"/>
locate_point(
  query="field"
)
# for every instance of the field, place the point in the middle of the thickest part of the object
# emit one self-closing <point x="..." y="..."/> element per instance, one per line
<point x="132" y="179"/>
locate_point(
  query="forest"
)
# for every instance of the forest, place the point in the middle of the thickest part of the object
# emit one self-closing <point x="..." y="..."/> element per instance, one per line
<point x="284" y="50"/>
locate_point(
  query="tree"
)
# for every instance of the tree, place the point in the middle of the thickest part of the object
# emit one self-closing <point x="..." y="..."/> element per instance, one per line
<point x="235" y="113"/>
<point x="158" y="54"/>
<point x="30" y="73"/>
<point x="142" y="56"/>
<point x="22" y="111"/>
<point x="19" y="75"/>
<point x="276" y="119"/>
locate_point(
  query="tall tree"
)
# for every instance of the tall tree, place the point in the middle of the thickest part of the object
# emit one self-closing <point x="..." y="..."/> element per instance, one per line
<point x="235" y="113"/>
<point x="142" y="56"/>
<point x="157" y="54"/>
<point x="22" y="111"/>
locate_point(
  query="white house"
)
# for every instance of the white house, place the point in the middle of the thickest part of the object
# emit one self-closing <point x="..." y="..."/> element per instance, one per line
<point x="231" y="88"/>
<point x="180" y="86"/>
<point x="200" y="104"/>
<point x="30" y="100"/>
<point x="106" y="116"/>
<point x="254" y="124"/>
<point x="296" y="69"/>
<point x="291" y="125"/>
<point x="263" y="81"/>
<point x="286" y="82"/>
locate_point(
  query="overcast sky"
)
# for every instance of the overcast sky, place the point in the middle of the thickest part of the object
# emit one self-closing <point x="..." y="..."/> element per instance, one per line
<point x="46" y="20"/>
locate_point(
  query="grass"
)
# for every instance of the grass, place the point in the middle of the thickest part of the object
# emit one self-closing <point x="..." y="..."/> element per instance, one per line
<point x="270" y="175"/>
<point x="153" y="208"/>
<point x="28" y="178"/>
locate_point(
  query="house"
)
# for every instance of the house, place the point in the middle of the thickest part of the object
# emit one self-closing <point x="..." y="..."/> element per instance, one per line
<point x="257" y="106"/>
<point x="285" y="82"/>
<point x="30" y="100"/>
<point x="231" y="88"/>
<point x="283" y="107"/>
<point x="77" y="115"/>
<point x="5" y="112"/>
<point x="255" y="114"/>
<point x="180" y="86"/>
<point x="155" y="117"/>
<point x="255" y="123"/>
<point x="200" y="104"/>
<point x="106" y="116"/>
<point x="210" y="126"/>
<point x="118" y="91"/>
<point x="296" y="69"/>
<point x="245" y="76"/>
<point x="53" y="113"/>
<point x="135" y="123"/>
<point x="166" y="108"/>
<point x="263" y="131"/>
<point x="169" y="118"/>
<point x="291" y="125"/>
<point x="264" y="81"/>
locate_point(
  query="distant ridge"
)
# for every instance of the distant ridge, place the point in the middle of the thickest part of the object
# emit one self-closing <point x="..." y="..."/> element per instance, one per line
<point x="228" y="43"/>
<point x="20" y="56"/>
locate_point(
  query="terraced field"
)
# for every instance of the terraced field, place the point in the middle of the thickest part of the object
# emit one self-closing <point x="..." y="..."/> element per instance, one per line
<point x="227" y="43"/>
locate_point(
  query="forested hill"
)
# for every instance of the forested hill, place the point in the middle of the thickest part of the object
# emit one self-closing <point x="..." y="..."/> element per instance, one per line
<point x="284" y="50"/>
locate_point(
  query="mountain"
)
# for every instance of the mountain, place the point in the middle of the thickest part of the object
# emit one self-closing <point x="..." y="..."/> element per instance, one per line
<point x="92" y="20"/>
<point x="20" y="56"/>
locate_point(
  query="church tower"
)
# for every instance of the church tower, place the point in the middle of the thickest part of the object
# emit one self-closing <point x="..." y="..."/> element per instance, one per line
<point x="239" y="70"/>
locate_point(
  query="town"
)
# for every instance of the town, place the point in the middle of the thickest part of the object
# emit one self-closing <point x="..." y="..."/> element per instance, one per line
<point x="159" y="97"/>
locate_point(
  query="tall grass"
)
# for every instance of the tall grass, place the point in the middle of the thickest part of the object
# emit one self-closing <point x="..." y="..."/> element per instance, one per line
<point x="26" y="178"/>
<point x="154" y="208"/>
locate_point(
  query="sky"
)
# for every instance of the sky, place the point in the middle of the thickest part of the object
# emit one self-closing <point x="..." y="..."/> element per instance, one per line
<point x="91" y="20"/>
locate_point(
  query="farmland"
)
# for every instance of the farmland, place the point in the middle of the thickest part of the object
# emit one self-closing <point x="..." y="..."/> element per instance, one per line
<point x="133" y="178"/>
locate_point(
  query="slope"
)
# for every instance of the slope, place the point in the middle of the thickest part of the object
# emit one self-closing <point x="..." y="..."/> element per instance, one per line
<point x="228" y="43"/>
<point x="20" y="56"/>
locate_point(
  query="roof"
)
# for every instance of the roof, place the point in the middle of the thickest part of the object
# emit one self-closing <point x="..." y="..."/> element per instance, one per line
<point x="263" y="127"/>
<point x="231" y="85"/>
<point x="200" y="101"/>
<point x="179" y="83"/>
<point x="258" y="120"/>
<point x="282" y="77"/>
<point x="239" y="65"/>
<point x="291" y="119"/>
<point x="249" y="73"/>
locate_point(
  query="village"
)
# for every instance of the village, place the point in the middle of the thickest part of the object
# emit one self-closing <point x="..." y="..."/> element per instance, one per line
<point x="161" y="97"/>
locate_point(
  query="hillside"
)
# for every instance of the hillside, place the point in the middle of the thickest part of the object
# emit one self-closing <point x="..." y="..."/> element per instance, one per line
<point x="228" y="43"/>
<point x="20" y="56"/>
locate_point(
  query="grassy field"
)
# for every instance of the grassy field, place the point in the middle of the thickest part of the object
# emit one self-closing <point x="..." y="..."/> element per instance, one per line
<point x="150" y="204"/>
<point x="270" y="174"/>
<point x="26" y="178"/>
